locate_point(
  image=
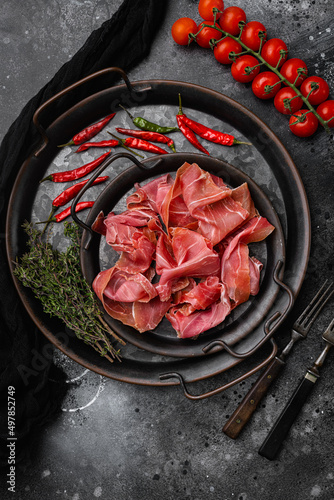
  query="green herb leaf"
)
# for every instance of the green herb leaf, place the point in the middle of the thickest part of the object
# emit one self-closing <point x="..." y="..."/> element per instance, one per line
<point x="56" y="280"/>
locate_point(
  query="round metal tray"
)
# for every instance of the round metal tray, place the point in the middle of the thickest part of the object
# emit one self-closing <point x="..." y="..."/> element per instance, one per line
<point x="163" y="339"/>
<point x="267" y="163"/>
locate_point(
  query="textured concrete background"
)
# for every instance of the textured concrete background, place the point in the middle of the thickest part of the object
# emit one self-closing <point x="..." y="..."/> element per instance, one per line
<point x="115" y="440"/>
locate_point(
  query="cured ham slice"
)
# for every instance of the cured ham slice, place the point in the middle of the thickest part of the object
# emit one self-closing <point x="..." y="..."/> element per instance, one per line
<point x="191" y="235"/>
<point x="193" y="256"/>
<point x="201" y="295"/>
<point x="143" y="316"/>
<point x="122" y="286"/>
<point x="129" y="234"/>
<point x="151" y="194"/>
<point x="208" y="201"/>
<point x="191" y="325"/>
<point x="235" y="269"/>
<point x="131" y="299"/>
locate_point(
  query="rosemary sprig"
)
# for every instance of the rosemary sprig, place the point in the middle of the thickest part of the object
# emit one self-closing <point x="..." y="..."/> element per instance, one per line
<point x="56" y="280"/>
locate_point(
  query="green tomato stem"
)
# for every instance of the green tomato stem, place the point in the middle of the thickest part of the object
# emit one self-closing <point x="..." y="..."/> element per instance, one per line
<point x="274" y="70"/>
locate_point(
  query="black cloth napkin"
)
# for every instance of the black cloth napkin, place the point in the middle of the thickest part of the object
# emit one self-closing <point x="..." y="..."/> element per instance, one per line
<point x="123" y="41"/>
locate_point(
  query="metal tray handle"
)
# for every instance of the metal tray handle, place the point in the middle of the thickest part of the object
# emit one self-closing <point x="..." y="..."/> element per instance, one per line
<point x="270" y="326"/>
<point x="193" y="397"/>
<point x="36" y="117"/>
<point x="96" y="174"/>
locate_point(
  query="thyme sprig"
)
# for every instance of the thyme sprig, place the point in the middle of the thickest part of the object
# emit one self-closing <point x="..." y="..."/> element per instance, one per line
<point x="56" y="280"/>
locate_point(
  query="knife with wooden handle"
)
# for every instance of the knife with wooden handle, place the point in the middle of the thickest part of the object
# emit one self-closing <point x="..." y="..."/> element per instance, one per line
<point x="245" y="410"/>
<point x="300" y="329"/>
<point x="280" y="429"/>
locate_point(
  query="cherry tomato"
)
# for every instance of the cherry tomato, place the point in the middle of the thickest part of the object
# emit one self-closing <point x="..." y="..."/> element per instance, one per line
<point x="318" y="95"/>
<point x="238" y="68"/>
<point x="206" y="34"/>
<point x="291" y="68"/>
<point x="326" y="111"/>
<point x="205" y="9"/>
<point x="307" y="126"/>
<point x="266" y="85"/>
<point x="250" y="35"/>
<point x="271" y="52"/>
<point x="285" y="95"/>
<point x="223" y="49"/>
<point x="181" y="30"/>
<point x="230" y="19"/>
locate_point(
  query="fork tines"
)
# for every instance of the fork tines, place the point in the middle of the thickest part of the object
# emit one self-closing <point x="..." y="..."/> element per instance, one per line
<point x="309" y="315"/>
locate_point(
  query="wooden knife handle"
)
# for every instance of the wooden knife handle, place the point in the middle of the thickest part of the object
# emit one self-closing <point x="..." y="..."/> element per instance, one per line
<point x="280" y="429"/>
<point x="248" y="405"/>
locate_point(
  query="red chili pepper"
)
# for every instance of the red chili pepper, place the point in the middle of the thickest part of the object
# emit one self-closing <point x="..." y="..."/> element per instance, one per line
<point x="140" y="144"/>
<point x="101" y="144"/>
<point x="67" y="212"/>
<point x="89" y="132"/>
<point x="69" y="194"/>
<point x="77" y="173"/>
<point x="187" y="132"/>
<point x="72" y="191"/>
<point x="209" y="134"/>
<point x="148" y="136"/>
<point x="135" y="143"/>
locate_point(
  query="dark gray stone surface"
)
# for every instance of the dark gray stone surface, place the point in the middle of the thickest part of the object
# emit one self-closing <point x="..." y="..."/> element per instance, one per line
<point x="115" y="440"/>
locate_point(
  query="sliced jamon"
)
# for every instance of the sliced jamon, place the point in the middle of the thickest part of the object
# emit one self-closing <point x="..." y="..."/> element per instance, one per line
<point x="142" y="316"/>
<point x="235" y="271"/>
<point x="122" y="286"/>
<point x="151" y="194"/>
<point x="191" y="325"/>
<point x="255" y="267"/>
<point x="128" y="233"/>
<point x="193" y="256"/>
<point x="217" y="220"/>
<point x="201" y="295"/>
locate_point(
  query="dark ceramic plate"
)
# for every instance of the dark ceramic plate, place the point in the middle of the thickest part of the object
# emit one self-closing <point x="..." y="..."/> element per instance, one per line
<point x="267" y="163"/>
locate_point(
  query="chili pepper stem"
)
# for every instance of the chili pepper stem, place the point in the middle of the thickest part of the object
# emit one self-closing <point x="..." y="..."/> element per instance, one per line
<point x="67" y="144"/>
<point x="123" y="146"/>
<point x="48" y="178"/>
<point x="128" y="112"/>
<point x="235" y="141"/>
<point x="180" y="106"/>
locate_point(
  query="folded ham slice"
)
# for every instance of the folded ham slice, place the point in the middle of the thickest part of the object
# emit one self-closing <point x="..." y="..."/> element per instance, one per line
<point x="192" y="233"/>
<point x="235" y="265"/>
<point x="129" y="298"/>
<point x="193" y="256"/>
<point x="191" y="325"/>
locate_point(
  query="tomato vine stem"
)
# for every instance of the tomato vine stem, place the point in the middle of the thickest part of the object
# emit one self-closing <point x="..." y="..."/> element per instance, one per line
<point x="271" y="68"/>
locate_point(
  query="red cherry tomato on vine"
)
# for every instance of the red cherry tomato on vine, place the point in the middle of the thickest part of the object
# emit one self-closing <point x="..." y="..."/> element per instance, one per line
<point x="250" y="34"/>
<point x="240" y="71"/>
<point x="287" y="101"/>
<point x="326" y="111"/>
<point x="181" y="30"/>
<point x="291" y="68"/>
<point x="223" y="49"/>
<point x="319" y="94"/>
<point x="230" y="19"/>
<point x="274" y="52"/>
<point x="206" y="34"/>
<point x="205" y="9"/>
<point x="266" y="85"/>
<point x="307" y="125"/>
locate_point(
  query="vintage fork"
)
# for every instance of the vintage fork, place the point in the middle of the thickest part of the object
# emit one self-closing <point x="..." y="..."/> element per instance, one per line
<point x="300" y="329"/>
<point x="280" y="429"/>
